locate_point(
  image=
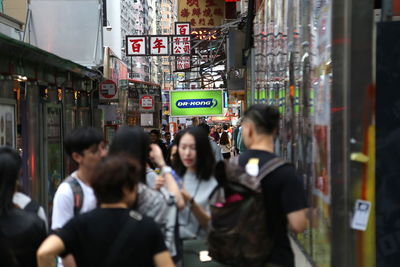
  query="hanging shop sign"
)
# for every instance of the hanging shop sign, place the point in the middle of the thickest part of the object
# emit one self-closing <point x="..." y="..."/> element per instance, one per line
<point x="108" y="90"/>
<point x="159" y="45"/>
<point x="146" y="103"/>
<point x="136" y="45"/>
<point x="181" y="45"/>
<point x="182" y="28"/>
<point x="182" y="63"/>
<point x="196" y="103"/>
<point x="201" y="13"/>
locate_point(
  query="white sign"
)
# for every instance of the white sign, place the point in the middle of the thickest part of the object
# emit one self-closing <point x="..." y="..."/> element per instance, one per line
<point x="181" y="45"/>
<point x="135" y="45"/>
<point x="182" y="28"/>
<point x="146" y="103"/>
<point x="361" y="215"/>
<point x="146" y="119"/>
<point x="108" y="90"/>
<point x="159" y="45"/>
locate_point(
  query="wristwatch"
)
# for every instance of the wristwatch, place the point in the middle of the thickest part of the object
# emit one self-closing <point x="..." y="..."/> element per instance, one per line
<point x="165" y="170"/>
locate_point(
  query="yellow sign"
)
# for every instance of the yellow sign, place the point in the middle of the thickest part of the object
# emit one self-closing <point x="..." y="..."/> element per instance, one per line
<point x="201" y="13"/>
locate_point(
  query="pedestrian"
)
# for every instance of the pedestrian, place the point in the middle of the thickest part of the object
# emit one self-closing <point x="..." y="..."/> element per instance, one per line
<point x="283" y="191"/>
<point x="110" y="235"/>
<point x="158" y="197"/>
<point x="214" y="146"/>
<point x="155" y="139"/>
<point x="74" y="196"/>
<point x="21" y="232"/>
<point x="167" y="137"/>
<point x="225" y="145"/>
<point x="195" y="165"/>
<point x="213" y="133"/>
<point x="234" y="137"/>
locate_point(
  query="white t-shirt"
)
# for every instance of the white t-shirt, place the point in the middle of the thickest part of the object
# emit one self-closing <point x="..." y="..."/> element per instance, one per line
<point x="63" y="203"/>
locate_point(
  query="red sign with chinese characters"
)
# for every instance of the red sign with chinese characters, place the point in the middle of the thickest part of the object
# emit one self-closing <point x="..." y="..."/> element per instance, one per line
<point x="135" y="45"/>
<point x="182" y="28"/>
<point x="159" y="45"/>
<point x="201" y="13"/>
<point x="183" y="63"/>
<point x="146" y="102"/>
<point x="181" y="45"/>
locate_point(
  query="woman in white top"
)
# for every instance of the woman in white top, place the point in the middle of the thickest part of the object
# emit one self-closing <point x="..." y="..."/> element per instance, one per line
<point x="225" y="145"/>
<point x="195" y="164"/>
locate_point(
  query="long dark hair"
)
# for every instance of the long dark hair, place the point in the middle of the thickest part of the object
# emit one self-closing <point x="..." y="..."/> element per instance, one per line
<point x="204" y="155"/>
<point x="224" y="140"/>
<point x="10" y="165"/>
<point x="134" y="142"/>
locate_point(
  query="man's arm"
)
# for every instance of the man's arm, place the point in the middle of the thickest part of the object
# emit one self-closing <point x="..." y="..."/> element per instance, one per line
<point x="49" y="250"/>
<point x="163" y="259"/>
<point x="298" y="221"/>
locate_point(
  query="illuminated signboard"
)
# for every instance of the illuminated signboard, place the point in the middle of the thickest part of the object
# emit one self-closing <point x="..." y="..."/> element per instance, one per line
<point x="196" y="103"/>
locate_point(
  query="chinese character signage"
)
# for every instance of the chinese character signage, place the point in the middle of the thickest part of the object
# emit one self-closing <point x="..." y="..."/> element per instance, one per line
<point x="135" y="45"/>
<point x="181" y="45"/>
<point x="182" y="63"/>
<point x="196" y="103"/>
<point x="182" y="28"/>
<point x="201" y="13"/>
<point x="159" y="45"/>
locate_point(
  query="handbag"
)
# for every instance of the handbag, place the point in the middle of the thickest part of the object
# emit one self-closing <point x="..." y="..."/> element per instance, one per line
<point x="195" y="254"/>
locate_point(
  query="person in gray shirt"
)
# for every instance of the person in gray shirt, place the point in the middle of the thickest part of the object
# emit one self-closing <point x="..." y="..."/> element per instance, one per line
<point x="214" y="146"/>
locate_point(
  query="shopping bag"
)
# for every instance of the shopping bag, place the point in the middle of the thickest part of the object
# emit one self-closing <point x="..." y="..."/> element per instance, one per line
<point x="195" y="254"/>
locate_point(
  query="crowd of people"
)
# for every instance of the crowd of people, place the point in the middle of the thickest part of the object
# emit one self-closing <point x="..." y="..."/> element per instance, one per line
<point x="139" y="200"/>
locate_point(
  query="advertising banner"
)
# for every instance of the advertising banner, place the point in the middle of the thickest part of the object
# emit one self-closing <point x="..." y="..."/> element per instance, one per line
<point x="196" y="103"/>
<point x="201" y="13"/>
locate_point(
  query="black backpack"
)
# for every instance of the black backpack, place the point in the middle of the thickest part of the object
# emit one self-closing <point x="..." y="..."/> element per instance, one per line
<point x="238" y="234"/>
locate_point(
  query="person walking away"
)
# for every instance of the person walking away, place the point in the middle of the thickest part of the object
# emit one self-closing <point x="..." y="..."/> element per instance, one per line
<point x="216" y="150"/>
<point x="21" y="232"/>
<point x="195" y="165"/>
<point x="111" y="235"/>
<point x="225" y="145"/>
<point x="74" y="196"/>
<point x="282" y="189"/>
<point x="167" y="137"/>
<point x="235" y="136"/>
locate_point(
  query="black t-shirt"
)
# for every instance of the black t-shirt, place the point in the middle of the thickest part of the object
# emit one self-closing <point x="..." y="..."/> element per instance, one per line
<point x="90" y="237"/>
<point x="21" y="234"/>
<point x="283" y="193"/>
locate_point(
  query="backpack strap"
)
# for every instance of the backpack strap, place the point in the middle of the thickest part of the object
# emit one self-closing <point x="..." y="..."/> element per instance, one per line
<point x="32" y="206"/>
<point x="77" y="192"/>
<point x="269" y="167"/>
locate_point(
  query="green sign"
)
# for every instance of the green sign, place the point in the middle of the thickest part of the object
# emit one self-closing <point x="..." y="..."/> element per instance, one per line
<point x="196" y="103"/>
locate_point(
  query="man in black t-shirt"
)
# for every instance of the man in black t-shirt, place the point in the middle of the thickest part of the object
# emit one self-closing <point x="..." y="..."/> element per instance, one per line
<point x="111" y="235"/>
<point x="283" y="191"/>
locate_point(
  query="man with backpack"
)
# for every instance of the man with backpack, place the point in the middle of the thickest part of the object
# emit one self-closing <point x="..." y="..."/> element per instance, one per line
<point x="283" y="191"/>
<point x="261" y="198"/>
<point x="74" y="196"/>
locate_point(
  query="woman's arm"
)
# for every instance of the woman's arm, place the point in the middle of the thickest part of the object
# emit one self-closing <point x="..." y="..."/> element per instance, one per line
<point x="170" y="183"/>
<point x="49" y="250"/>
<point x="163" y="259"/>
<point x="201" y="215"/>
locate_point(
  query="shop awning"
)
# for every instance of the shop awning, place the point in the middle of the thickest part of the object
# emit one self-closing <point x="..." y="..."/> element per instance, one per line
<point x="21" y="51"/>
